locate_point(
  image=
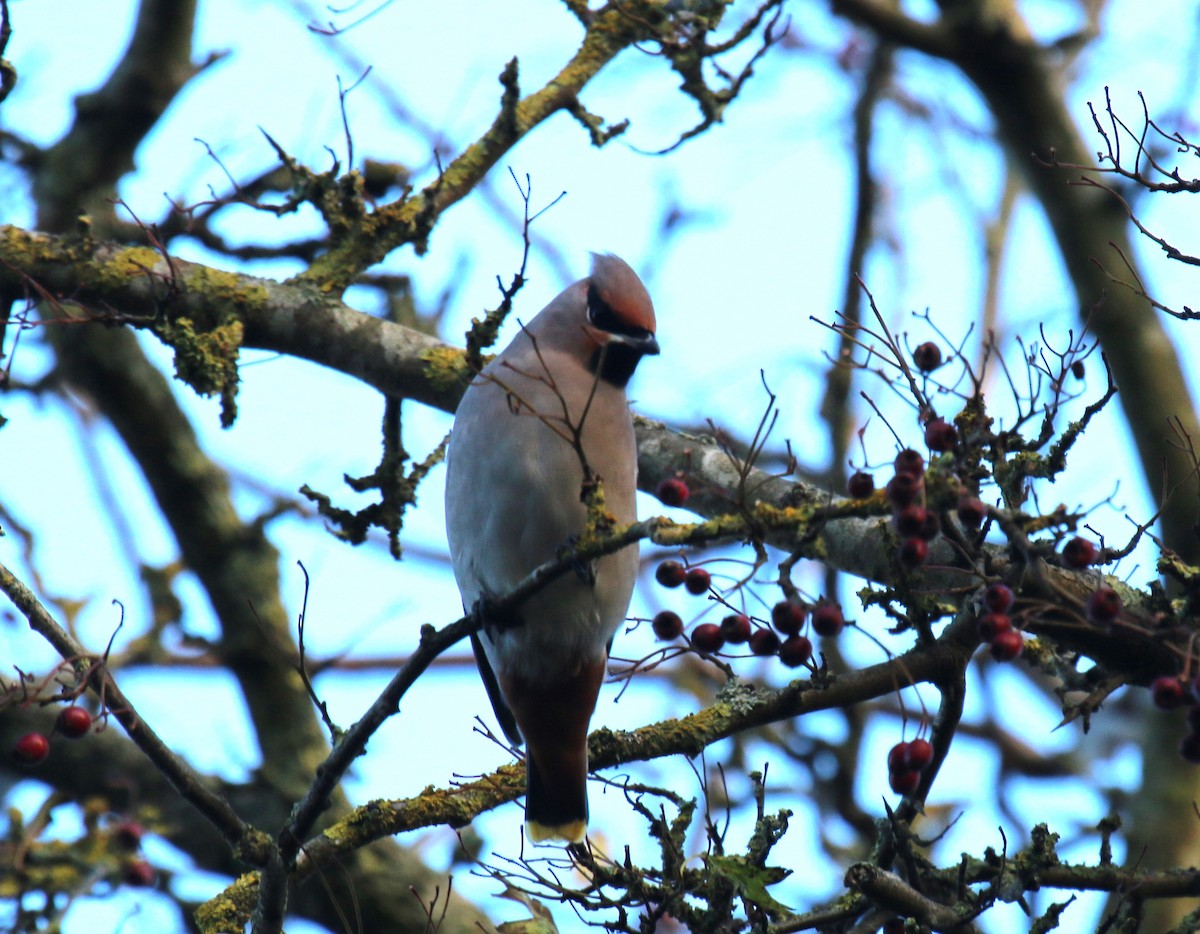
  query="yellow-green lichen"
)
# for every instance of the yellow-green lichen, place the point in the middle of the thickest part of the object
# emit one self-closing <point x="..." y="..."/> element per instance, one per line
<point x="207" y="341"/>
<point x="446" y="368"/>
<point x="226" y="294"/>
<point x="207" y="360"/>
<point x="130" y="263"/>
<point x="228" y="912"/>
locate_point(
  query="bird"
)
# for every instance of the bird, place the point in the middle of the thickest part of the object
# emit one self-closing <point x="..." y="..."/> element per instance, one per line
<point x="547" y="412"/>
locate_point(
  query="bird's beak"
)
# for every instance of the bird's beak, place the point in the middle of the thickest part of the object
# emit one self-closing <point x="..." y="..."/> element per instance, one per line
<point x="645" y="344"/>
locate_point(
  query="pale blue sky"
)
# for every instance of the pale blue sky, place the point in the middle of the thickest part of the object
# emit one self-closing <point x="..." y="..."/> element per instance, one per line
<point x="734" y="296"/>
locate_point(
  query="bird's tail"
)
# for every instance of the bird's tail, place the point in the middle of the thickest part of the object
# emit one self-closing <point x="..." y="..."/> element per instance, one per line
<point x="555" y="720"/>
<point x="556" y="806"/>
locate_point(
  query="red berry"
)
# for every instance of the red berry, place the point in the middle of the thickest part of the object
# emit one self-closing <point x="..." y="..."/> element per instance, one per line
<point x="897" y="756"/>
<point x="991" y="625"/>
<point x="128" y="834"/>
<point x="1168" y="692"/>
<point x="1077" y="369"/>
<point x="910" y="520"/>
<point x="138" y="872"/>
<point x="73" y="722"/>
<point x="894" y="926"/>
<point x="667" y="625"/>
<point x="735" y="628"/>
<point x="1189" y="748"/>
<point x="904" y="782"/>
<point x="998" y="597"/>
<point x="927" y="357"/>
<point x="971" y="512"/>
<point x="670" y="574"/>
<point x="860" y="485"/>
<point x="940" y="435"/>
<point x="31" y="749"/>
<point x="672" y="492"/>
<point x="764" y="642"/>
<point x="913" y="553"/>
<point x="795" y="651"/>
<point x="909" y="462"/>
<point x="1007" y="645"/>
<point x="827" y="619"/>
<point x="1103" y="605"/>
<point x="707" y="637"/>
<point x="931" y="528"/>
<point x="918" y="755"/>
<point x="697" y="581"/>
<point x="903" y="489"/>
<point x="1079" y="553"/>
<point x="788" y="616"/>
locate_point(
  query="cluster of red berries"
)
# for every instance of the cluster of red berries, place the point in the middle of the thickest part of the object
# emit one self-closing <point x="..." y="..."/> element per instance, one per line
<point x="782" y="638"/>
<point x="33" y="749"/>
<point x="695" y="580"/>
<point x="906" y="761"/>
<point x="995" y="625"/>
<point x="916" y="525"/>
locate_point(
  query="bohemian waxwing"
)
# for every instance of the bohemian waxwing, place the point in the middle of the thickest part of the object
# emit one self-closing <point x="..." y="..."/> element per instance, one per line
<point x="513" y="486"/>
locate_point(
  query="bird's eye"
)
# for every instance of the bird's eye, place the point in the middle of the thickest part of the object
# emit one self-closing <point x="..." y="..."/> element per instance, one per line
<point x="602" y="315"/>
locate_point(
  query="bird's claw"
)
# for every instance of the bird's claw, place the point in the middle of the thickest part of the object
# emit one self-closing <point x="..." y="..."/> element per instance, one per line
<point x="584" y="570"/>
<point x="492" y="616"/>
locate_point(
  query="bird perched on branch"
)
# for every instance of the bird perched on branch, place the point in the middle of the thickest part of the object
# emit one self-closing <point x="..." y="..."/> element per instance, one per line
<point x="534" y="431"/>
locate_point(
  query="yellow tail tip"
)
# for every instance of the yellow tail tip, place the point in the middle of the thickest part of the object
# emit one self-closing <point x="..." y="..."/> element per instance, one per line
<point x="571" y="832"/>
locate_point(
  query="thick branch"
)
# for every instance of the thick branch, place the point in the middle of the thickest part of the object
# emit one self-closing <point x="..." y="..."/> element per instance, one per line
<point x="82" y="169"/>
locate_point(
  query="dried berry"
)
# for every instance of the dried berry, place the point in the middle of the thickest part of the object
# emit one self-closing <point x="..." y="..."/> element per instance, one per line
<point x="764" y="642"/>
<point x="788" y="616"/>
<point x="910" y="520"/>
<point x="73" y="722"/>
<point x="918" y="755"/>
<point x="913" y="553"/>
<point x="1007" y="645"/>
<point x="1103" y="605"/>
<point x="1079" y="553"/>
<point x="927" y="357"/>
<point x="904" y="782"/>
<point x="940" y="435"/>
<point x="903" y="489"/>
<point x="998" y="597"/>
<point x="827" y="619"/>
<point x="667" y="625"/>
<point x="991" y="625"/>
<point x="670" y="574"/>
<point x="1168" y="692"/>
<point x="795" y="651"/>
<point x="971" y="512"/>
<point x="697" y="581"/>
<point x="860" y="485"/>
<point x="736" y="628"/>
<point x="672" y="492"/>
<point x="707" y="637"/>
<point x="31" y="749"/>
<point x="128" y="834"/>
<point x="909" y="462"/>
<point x="138" y="872"/>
